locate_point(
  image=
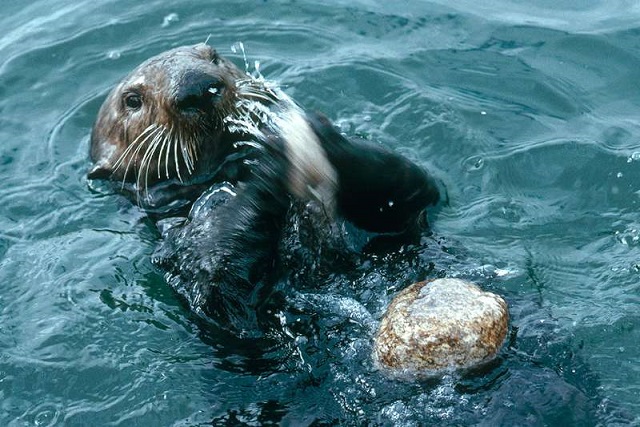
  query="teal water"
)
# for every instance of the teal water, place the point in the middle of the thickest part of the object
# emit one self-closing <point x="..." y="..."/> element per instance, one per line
<point x="526" y="110"/>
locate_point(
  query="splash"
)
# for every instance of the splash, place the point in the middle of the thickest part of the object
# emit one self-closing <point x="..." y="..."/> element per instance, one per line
<point x="262" y="110"/>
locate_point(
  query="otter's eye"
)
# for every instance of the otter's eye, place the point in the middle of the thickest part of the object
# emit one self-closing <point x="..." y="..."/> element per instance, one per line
<point x="133" y="101"/>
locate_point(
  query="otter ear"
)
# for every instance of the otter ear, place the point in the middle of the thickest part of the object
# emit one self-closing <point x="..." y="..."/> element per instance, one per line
<point x="100" y="171"/>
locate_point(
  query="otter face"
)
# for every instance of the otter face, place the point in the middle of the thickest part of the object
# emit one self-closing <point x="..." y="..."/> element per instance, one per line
<point x="164" y="121"/>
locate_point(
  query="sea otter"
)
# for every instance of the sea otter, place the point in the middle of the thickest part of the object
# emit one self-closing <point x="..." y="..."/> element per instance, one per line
<point x="188" y="123"/>
<point x="188" y="129"/>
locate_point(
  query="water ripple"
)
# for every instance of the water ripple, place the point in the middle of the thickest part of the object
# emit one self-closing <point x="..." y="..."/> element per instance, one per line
<point x="527" y="113"/>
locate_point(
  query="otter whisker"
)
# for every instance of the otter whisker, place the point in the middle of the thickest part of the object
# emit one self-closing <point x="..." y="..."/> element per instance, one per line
<point x="192" y="148"/>
<point x="260" y="93"/>
<point x="175" y="143"/>
<point x="135" y="148"/>
<point x="144" y="161"/>
<point x="260" y="96"/>
<point x="138" y="143"/>
<point x="132" y="146"/>
<point x="193" y="152"/>
<point x="145" y="164"/>
<point x="255" y="82"/>
<point x="167" y="141"/>
<point x="258" y="88"/>
<point x="179" y="148"/>
<point x="253" y="87"/>
<point x="185" y="154"/>
<point x="163" y="145"/>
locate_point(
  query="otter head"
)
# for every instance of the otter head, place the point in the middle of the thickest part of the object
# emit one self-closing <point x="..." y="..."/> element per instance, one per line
<point x="164" y="121"/>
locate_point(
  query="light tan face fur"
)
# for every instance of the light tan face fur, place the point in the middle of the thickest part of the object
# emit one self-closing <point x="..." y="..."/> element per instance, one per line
<point x="165" y="119"/>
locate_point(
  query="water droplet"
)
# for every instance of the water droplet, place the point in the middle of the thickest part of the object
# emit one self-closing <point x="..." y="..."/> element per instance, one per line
<point x="474" y="163"/>
<point x="170" y="19"/>
<point x="501" y="272"/>
<point x="626" y="237"/>
<point x="239" y="47"/>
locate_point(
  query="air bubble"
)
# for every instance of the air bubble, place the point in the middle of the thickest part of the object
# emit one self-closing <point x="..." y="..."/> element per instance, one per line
<point x="474" y="163"/>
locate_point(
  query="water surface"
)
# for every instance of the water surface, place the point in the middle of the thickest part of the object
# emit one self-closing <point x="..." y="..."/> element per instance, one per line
<point x="526" y="110"/>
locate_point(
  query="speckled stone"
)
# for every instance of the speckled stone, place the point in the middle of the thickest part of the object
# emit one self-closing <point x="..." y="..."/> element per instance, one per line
<point x="440" y="325"/>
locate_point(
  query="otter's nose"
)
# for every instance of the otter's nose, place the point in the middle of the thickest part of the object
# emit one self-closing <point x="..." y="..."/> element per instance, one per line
<point x="198" y="91"/>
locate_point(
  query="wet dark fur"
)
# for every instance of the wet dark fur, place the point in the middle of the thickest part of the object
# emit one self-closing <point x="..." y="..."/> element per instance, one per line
<point x="228" y="253"/>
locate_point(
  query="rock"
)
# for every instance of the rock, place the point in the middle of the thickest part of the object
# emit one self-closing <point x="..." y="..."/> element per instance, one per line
<point x="440" y="325"/>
